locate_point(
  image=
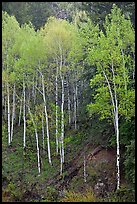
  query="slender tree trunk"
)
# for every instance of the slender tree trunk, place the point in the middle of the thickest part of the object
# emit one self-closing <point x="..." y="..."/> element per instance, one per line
<point x="75" y="109"/>
<point x="62" y="119"/>
<point x="62" y="107"/>
<point x="62" y="112"/>
<point x="38" y="155"/>
<point x="118" y="149"/>
<point x="85" y="175"/>
<point x="125" y="80"/>
<point x="20" y="109"/>
<point x="13" y="111"/>
<point x="57" y="111"/>
<point x="5" y="113"/>
<point x="36" y="135"/>
<point x="117" y="129"/>
<point x="112" y="98"/>
<point x="124" y="73"/>
<point x="24" y="115"/>
<point x="35" y="92"/>
<point x="77" y="102"/>
<point x="43" y="133"/>
<point x="69" y="104"/>
<point x="29" y="94"/>
<point x="133" y="74"/>
<point x="61" y="157"/>
<point x="3" y="98"/>
<point x="3" y="102"/>
<point x="33" y="86"/>
<point x="46" y="115"/>
<point x="8" y="97"/>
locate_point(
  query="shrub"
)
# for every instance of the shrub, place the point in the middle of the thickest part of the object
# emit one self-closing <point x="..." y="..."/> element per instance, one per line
<point x="130" y="162"/>
<point x="122" y="195"/>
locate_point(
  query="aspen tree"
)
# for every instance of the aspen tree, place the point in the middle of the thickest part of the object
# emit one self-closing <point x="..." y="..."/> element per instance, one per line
<point x="111" y="79"/>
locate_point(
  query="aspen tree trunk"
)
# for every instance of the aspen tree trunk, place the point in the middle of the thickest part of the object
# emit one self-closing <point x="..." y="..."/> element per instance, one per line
<point x="3" y="98"/>
<point x="46" y="115"/>
<point x="85" y="175"/>
<point x="62" y="112"/>
<point x="62" y="109"/>
<point x="36" y="135"/>
<point x="118" y="151"/>
<point x="61" y="158"/>
<point x="8" y="97"/>
<point x="33" y="86"/>
<point x="5" y="108"/>
<point x="57" y="111"/>
<point x="24" y="116"/>
<point x="3" y="102"/>
<point x="133" y="74"/>
<point x="69" y="104"/>
<point x="117" y="129"/>
<point x="62" y="119"/>
<point x="29" y="95"/>
<point x="75" y="109"/>
<point x="20" y="109"/>
<point x="43" y="133"/>
<point x="124" y="76"/>
<point x="112" y="99"/>
<point x="77" y="102"/>
<point x="13" y="112"/>
<point x="35" y="92"/>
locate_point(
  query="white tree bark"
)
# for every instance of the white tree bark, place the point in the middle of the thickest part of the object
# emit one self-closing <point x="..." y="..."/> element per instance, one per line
<point x="75" y="109"/>
<point x="62" y="119"/>
<point x="118" y="151"/>
<point x="112" y="98"/>
<point x="61" y="157"/>
<point x="3" y="97"/>
<point x="133" y="74"/>
<point x="20" y="109"/>
<point x="85" y="175"/>
<point x="5" y="112"/>
<point x="8" y="97"/>
<point x="36" y="135"/>
<point x="13" y="111"/>
<point x="117" y="129"/>
<point x="29" y="95"/>
<point x="124" y="76"/>
<point x="62" y="111"/>
<point x="77" y="102"/>
<point x="35" y="92"/>
<point x="24" y="116"/>
<point x="43" y="133"/>
<point x="33" y="87"/>
<point x="3" y="102"/>
<point x="57" y="147"/>
<point x="46" y="115"/>
<point x="69" y="105"/>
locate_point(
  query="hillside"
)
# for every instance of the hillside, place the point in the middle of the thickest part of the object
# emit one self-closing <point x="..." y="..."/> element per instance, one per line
<point x="68" y="102"/>
<point x="21" y="181"/>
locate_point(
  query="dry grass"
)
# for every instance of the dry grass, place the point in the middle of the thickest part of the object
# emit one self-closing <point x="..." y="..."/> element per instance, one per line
<point x="5" y="197"/>
<point x="79" y="197"/>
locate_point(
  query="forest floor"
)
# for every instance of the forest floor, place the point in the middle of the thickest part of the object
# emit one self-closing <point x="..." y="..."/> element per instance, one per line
<point x="20" y="181"/>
